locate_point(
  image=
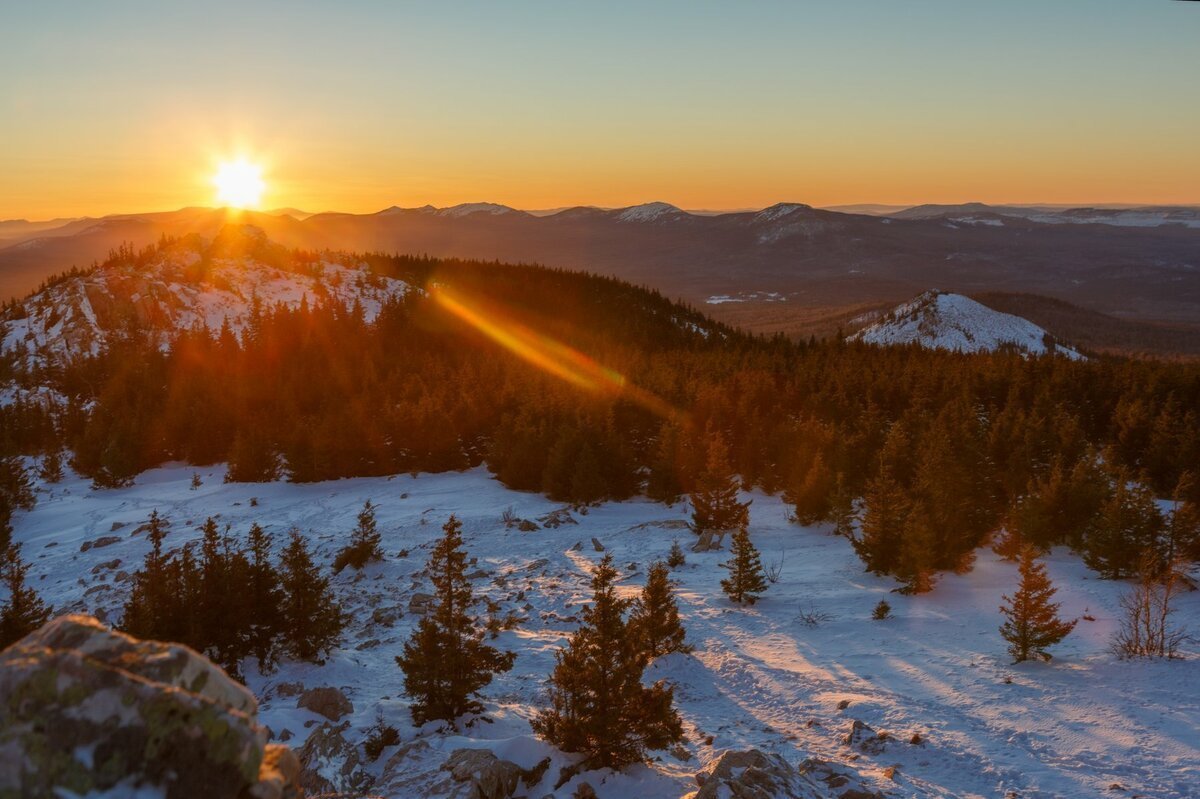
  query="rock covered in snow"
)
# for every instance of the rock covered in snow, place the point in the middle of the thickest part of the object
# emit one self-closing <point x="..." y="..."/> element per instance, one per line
<point x="331" y="763"/>
<point x="938" y="320"/>
<point x="87" y="710"/>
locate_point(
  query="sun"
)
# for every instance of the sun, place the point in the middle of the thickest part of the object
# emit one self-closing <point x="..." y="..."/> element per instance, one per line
<point x="239" y="184"/>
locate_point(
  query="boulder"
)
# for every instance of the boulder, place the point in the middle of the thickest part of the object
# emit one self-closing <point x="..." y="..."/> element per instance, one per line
<point x="863" y="738"/>
<point x="420" y="603"/>
<point x="84" y="710"/>
<point x="328" y="702"/>
<point x="596" y="545"/>
<point x="330" y="763"/>
<point x="102" y="541"/>
<point x="485" y="775"/>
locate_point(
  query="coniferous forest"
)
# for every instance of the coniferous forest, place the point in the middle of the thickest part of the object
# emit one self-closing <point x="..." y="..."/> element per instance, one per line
<point x="932" y="451"/>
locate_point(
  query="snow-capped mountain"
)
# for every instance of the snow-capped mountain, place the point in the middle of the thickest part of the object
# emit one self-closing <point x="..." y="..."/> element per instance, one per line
<point x="649" y="212"/>
<point x="185" y="285"/>
<point x="939" y="320"/>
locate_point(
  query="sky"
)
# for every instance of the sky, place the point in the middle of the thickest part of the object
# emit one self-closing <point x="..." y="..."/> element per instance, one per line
<point x="120" y="106"/>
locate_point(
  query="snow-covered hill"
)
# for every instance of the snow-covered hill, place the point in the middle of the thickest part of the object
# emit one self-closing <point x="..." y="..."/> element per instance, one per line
<point x="939" y="320"/>
<point x="185" y="286"/>
<point x="759" y="677"/>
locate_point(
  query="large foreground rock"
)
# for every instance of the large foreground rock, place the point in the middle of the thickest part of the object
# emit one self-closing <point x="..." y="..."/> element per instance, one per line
<point x="84" y="709"/>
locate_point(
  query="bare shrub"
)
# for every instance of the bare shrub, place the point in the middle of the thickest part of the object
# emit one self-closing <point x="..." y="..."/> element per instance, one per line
<point x="812" y="617"/>
<point x="775" y="570"/>
<point x="1146" y="627"/>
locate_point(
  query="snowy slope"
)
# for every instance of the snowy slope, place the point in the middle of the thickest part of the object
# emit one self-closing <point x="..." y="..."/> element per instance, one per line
<point x="174" y="292"/>
<point x="759" y="676"/>
<point x="938" y="320"/>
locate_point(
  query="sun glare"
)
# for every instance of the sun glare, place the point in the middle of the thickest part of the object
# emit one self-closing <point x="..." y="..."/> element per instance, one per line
<point x="239" y="184"/>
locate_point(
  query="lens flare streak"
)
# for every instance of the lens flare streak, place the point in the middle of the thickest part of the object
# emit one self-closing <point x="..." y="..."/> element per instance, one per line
<point x="548" y="354"/>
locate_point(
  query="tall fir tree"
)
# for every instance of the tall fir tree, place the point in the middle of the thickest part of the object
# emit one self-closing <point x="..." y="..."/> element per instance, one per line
<point x="150" y="605"/>
<point x="23" y="611"/>
<point x="1031" y="621"/>
<point x="445" y="662"/>
<point x="809" y="491"/>
<point x="264" y="598"/>
<point x="312" y="619"/>
<point x="885" y="510"/>
<point x="51" y="469"/>
<point x="599" y="706"/>
<point x="654" y="620"/>
<point x="841" y="508"/>
<point x="365" y="542"/>
<point x="1127" y="528"/>
<point x="715" y="505"/>
<point x="746" y="577"/>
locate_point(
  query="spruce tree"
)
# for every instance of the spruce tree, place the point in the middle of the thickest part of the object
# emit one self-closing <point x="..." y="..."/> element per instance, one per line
<point x="655" y="617"/>
<point x="148" y="610"/>
<point x="219" y="620"/>
<point x="1126" y="529"/>
<point x="746" y="578"/>
<point x="1031" y="619"/>
<point x="51" y="470"/>
<point x="885" y="510"/>
<point x="15" y="494"/>
<point x="841" y="508"/>
<point x="599" y="707"/>
<point x="676" y="558"/>
<point x="23" y="611"/>
<point x="312" y="619"/>
<point x="809" y="492"/>
<point x="365" y="540"/>
<point x="715" y="506"/>
<point x="918" y="550"/>
<point x="263" y="600"/>
<point x="445" y="662"/>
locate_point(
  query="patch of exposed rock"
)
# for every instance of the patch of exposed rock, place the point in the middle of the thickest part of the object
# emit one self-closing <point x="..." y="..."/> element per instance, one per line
<point x="328" y="702"/>
<point x="753" y="774"/>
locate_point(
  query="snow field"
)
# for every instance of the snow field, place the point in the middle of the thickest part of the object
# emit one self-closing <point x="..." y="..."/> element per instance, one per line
<point x="760" y="676"/>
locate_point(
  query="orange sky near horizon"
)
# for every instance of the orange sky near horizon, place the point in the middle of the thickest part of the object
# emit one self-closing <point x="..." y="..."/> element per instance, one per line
<point x="728" y="106"/>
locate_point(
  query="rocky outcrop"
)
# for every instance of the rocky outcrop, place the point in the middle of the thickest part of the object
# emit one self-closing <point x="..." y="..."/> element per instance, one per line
<point x="86" y="710"/>
<point x="328" y="702"/>
<point x="758" y="775"/>
<point x="484" y="775"/>
<point x="330" y="763"/>
<point x="864" y="738"/>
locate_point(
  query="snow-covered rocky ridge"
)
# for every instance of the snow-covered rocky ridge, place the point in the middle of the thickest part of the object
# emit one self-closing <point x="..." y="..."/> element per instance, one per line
<point x="179" y="289"/>
<point x="759" y="677"/>
<point x="939" y="320"/>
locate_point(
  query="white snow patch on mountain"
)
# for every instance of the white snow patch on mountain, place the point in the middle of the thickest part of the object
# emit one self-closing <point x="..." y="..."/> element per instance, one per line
<point x="176" y="292"/>
<point x="466" y="209"/>
<point x="938" y="320"/>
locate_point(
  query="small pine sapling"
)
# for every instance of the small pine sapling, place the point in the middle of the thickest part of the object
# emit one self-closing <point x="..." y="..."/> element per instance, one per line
<point x="746" y="579"/>
<point x="1031" y="618"/>
<point x="676" y="558"/>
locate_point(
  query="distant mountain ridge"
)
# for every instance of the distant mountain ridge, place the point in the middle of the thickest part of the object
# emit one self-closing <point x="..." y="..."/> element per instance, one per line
<point x="801" y="258"/>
